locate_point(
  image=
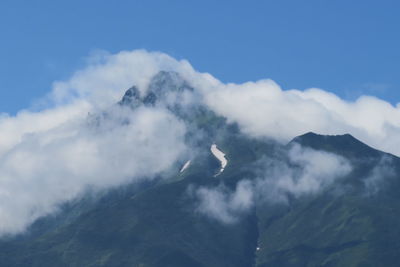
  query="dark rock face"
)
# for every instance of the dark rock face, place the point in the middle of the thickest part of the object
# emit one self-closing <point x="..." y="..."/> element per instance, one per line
<point x="161" y="85"/>
<point x="131" y="97"/>
<point x="150" y="99"/>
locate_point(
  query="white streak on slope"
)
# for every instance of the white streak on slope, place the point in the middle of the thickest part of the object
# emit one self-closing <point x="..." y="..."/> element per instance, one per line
<point x="185" y="166"/>
<point x="220" y="156"/>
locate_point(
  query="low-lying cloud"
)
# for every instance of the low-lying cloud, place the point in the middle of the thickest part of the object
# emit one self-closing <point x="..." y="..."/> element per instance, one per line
<point x="221" y="204"/>
<point x="50" y="167"/>
<point x="304" y="172"/>
<point x="51" y="155"/>
<point x="380" y="174"/>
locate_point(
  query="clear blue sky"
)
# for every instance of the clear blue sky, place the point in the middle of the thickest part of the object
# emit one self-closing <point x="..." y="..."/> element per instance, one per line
<point x="349" y="47"/>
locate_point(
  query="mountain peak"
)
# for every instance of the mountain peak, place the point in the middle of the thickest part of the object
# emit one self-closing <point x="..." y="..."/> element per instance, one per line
<point x="345" y="144"/>
<point x="131" y="97"/>
<point x="160" y="84"/>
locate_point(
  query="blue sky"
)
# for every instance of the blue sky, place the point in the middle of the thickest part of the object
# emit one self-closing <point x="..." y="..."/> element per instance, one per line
<point x="346" y="47"/>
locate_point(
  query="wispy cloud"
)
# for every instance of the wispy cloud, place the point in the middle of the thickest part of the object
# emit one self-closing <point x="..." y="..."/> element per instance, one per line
<point x="304" y="172"/>
<point x="380" y="174"/>
<point x="223" y="205"/>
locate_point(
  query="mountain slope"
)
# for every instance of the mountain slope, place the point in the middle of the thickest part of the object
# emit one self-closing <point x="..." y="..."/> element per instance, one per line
<point x="352" y="227"/>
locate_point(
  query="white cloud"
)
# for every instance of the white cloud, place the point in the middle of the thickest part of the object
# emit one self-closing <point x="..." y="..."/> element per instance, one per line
<point x="50" y="167"/>
<point x="106" y="77"/>
<point x="14" y="129"/>
<point x="51" y="155"/>
<point x="263" y="109"/>
<point x="306" y="171"/>
<point x="380" y="174"/>
<point x="221" y="204"/>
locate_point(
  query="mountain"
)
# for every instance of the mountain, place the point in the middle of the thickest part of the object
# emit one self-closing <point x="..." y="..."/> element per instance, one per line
<point x="319" y="219"/>
<point x="353" y="228"/>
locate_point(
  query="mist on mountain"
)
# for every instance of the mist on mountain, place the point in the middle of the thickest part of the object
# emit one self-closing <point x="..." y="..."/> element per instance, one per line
<point x="140" y="153"/>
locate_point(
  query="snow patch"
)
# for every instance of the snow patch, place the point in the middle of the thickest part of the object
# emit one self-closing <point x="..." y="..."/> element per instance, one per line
<point x="220" y="156"/>
<point x="185" y="166"/>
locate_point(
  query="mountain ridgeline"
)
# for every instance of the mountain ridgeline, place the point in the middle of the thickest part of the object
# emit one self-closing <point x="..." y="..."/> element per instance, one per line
<point x="298" y="213"/>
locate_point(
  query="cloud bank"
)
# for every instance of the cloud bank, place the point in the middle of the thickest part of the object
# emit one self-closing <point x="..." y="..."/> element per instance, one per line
<point x="52" y="154"/>
<point x="263" y="109"/>
<point x="50" y="167"/>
